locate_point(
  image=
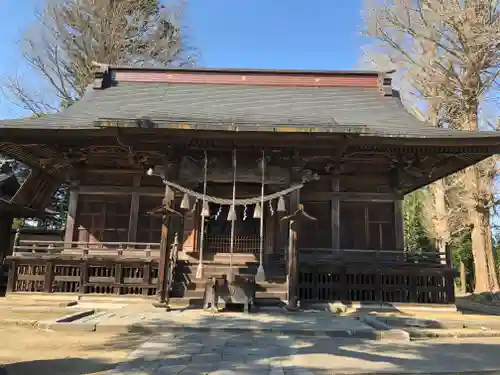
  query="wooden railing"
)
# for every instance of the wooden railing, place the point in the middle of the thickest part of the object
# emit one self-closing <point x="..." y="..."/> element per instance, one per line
<point x="125" y="249"/>
<point x="83" y="267"/>
<point x="242" y="244"/>
<point x="375" y="276"/>
<point x="326" y="256"/>
<point x="92" y="275"/>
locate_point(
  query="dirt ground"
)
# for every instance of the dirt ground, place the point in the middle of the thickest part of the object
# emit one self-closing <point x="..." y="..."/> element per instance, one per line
<point x="27" y="351"/>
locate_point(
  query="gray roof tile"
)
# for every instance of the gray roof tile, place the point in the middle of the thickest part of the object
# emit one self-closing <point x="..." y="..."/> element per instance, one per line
<point x="245" y="107"/>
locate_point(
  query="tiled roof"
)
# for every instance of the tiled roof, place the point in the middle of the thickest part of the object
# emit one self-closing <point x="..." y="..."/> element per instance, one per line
<point x="245" y="108"/>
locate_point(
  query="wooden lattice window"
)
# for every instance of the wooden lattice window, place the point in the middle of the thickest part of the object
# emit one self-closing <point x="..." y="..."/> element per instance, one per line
<point x="148" y="226"/>
<point x="103" y="218"/>
<point x="367" y="225"/>
<point x="318" y="233"/>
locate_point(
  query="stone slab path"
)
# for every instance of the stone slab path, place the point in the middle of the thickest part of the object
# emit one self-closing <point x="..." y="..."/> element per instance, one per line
<point x="267" y="354"/>
<point x="303" y="323"/>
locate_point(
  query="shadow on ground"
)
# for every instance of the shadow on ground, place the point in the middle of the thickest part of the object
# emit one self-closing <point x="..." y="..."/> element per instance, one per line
<point x="170" y="353"/>
<point x="70" y="366"/>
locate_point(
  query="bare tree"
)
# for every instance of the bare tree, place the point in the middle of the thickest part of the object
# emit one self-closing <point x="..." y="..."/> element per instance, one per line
<point x="450" y="49"/>
<point x="72" y="34"/>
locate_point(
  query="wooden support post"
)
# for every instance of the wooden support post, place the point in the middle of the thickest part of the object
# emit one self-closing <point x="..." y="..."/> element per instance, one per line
<point x="84" y="277"/>
<point x="162" y="294"/>
<point x="11" y="281"/>
<point x="146" y="278"/>
<point x="118" y="278"/>
<point x="292" y="281"/>
<point x="335" y="219"/>
<point x="49" y="277"/>
<point x="6" y="221"/>
<point x="292" y="271"/>
<point x="134" y="211"/>
<point x="163" y="264"/>
<point x="294" y="225"/>
<point x="399" y="224"/>
<point x="69" y="232"/>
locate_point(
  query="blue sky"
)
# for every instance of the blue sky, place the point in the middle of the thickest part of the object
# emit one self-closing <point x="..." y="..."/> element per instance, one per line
<point x="288" y="34"/>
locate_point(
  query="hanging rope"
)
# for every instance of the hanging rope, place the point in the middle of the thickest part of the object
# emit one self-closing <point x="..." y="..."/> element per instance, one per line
<point x="237" y="202"/>
<point x="231" y="245"/>
<point x="199" y="270"/>
<point x="261" y="276"/>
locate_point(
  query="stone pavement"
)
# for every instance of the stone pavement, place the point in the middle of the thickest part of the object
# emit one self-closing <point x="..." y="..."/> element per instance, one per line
<point x="275" y="321"/>
<point x="267" y="354"/>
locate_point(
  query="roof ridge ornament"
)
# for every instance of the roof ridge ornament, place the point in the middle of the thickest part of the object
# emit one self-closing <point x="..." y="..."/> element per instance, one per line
<point x="385" y="84"/>
<point x="102" y="78"/>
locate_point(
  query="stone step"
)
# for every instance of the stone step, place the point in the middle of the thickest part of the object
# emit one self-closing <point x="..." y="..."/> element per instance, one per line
<point x="198" y="294"/>
<point x="225" y="258"/>
<point x="261" y="287"/>
<point x="184" y="271"/>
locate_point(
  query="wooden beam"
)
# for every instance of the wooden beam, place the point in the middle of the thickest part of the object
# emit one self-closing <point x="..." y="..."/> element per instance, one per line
<point x="321" y="196"/>
<point x="69" y="231"/>
<point x="122" y="190"/>
<point x="119" y="171"/>
<point x="134" y="210"/>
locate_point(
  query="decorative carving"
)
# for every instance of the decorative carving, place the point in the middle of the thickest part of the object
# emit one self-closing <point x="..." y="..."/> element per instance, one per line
<point x="219" y="170"/>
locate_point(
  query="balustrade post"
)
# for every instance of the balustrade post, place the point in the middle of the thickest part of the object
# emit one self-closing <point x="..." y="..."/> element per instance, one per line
<point x="49" y="277"/>
<point x="17" y="240"/>
<point x="118" y="278"/>
<point x="11" y="281"/>
<point x="146" y="278"/>
<point x="84" y="273"/>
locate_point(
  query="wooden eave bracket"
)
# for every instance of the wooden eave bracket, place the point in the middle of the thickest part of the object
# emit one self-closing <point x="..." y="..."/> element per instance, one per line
<point x="299" y="215"/>
<point x="164" y="210"/>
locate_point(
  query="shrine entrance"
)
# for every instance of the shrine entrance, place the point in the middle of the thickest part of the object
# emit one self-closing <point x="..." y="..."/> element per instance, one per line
<point x="217" y="238"/>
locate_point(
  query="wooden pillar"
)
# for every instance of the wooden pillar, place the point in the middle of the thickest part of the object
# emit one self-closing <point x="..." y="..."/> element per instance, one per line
<point x="134" y="210"/>
<point x="292" y="269"/>
<point x="335" y="219"/>
<point x="399" y="224"/>
<point x="6" y="248"/>
<point x="269" y="231"/>
<point x="6" y="221"/>
<point x="162" y="292"/>
<point x="49" y="277"/>
<point x="72" y="210"/>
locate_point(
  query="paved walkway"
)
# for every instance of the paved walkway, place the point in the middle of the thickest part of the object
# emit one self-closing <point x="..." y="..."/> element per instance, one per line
<point x="267" y="354"/>
<point x="276" y="321"/>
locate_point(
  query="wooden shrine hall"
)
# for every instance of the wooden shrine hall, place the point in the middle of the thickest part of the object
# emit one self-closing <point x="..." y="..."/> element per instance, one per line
<point x="292" y="178"/>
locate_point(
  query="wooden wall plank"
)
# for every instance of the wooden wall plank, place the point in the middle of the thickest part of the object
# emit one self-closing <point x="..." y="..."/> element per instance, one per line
<point x="399" y="224"/>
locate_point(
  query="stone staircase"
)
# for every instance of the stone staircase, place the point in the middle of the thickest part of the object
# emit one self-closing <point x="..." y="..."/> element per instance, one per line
<point x="272" y="291"/>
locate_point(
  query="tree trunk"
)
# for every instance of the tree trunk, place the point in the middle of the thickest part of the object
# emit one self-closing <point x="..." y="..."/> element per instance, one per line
<point x="482" y="251"/>
<point x="486" y="278"/>
<point x="438" y="191"/>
